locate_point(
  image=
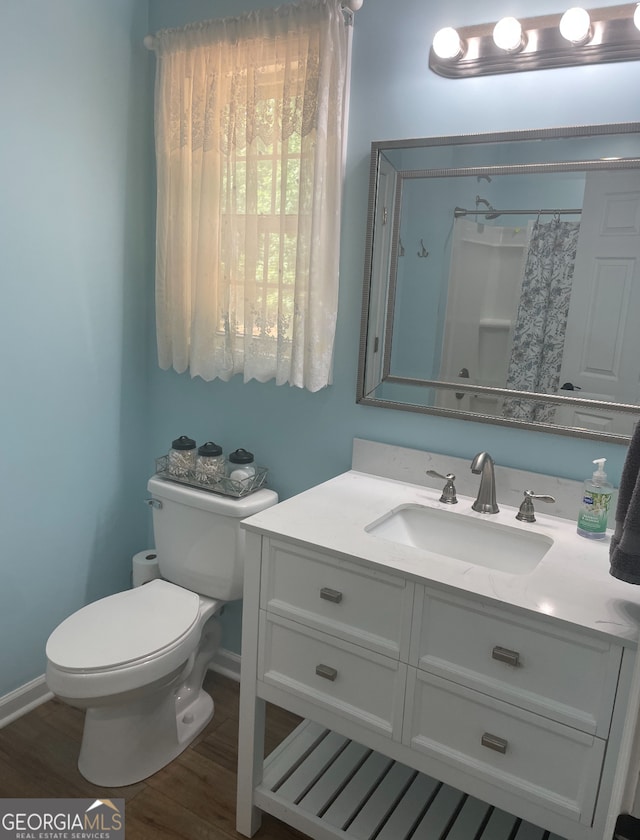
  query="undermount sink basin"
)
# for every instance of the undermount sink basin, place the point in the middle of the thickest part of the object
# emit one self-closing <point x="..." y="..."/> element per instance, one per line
<point x="481" y="542"/>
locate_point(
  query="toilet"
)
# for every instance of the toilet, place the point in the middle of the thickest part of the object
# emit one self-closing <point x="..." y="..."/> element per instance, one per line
<point x="136" y="660"/>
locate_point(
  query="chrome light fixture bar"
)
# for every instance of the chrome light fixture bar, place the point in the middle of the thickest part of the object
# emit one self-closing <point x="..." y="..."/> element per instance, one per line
<point x="570" y="39"/>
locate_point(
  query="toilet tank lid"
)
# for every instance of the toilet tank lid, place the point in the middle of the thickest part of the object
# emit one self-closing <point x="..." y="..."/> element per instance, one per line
<point x="162" y="488"/>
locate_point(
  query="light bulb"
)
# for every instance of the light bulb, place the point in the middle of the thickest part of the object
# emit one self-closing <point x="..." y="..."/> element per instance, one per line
<point x="507" y="34"/>
<point x="447" y="43"/>
<point x="575" y="25"/>
<point x="636" y="16"/>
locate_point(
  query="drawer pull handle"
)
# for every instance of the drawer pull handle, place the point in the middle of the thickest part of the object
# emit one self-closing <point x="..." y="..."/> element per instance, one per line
<point x="494" y="743"/>
<point x="511" y="657"/>
<point x="326" y="672"/>
<point x="331" y="595"/>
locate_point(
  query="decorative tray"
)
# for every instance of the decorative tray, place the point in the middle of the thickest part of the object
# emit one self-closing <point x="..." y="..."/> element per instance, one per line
<point x="223" y="485"/>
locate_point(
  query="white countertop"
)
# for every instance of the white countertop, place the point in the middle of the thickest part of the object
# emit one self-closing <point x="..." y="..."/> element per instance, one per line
<point x="570" y="584"/>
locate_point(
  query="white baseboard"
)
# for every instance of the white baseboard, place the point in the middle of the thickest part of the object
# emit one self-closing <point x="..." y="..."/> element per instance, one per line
<point x="227" y="663"/>
<point x="23" y="700"/>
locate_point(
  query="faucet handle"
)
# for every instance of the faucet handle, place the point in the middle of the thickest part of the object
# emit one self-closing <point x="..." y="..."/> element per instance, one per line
<point x="527" y="512"/>
<point x="449" y="493"/>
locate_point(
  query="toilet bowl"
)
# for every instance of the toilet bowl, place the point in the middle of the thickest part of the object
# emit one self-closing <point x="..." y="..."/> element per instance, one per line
<point x="136" y="660"/>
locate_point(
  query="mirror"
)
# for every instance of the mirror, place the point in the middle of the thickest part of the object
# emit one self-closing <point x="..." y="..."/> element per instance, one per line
<point x="502" y="279"/>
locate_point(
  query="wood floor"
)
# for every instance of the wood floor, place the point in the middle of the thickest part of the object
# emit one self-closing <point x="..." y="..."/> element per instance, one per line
<point x="193" y="798"/>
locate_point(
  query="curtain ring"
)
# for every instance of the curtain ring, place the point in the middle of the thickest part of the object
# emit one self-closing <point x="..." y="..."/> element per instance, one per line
<point x="535" y="233"/>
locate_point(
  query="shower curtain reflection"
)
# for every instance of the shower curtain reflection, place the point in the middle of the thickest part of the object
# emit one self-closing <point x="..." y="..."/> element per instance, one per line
<point x="539" y="333"/>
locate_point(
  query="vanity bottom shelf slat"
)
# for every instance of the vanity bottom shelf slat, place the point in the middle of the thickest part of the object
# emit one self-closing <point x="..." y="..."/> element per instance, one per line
<point x="328" y="786"/>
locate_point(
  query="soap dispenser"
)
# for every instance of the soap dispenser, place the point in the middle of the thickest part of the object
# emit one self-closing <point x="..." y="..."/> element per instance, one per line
<point x="596" y="499"/>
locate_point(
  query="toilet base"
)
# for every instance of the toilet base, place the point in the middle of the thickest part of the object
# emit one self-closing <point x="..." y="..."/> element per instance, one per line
<point x="129" y="741"/>
<point x="123" y="745"/>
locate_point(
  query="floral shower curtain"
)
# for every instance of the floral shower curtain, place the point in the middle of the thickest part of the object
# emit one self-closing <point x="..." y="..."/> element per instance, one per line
<point x="249" y="122"/>
<point x="538" y="338"/>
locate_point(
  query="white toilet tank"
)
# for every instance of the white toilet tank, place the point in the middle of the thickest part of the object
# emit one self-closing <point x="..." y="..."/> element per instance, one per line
<point x="198" y="537"/>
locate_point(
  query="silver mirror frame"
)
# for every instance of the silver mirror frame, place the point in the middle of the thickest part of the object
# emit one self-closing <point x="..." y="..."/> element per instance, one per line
<point x="363" y="398"/>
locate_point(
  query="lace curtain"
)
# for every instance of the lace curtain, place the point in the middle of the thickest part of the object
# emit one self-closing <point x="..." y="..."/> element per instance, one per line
<point x="538" y="339"/>
<point x="249" y="119"/>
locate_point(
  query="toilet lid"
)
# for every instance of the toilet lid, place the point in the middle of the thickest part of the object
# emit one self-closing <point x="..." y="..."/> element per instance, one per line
<point x="125" y="627"/>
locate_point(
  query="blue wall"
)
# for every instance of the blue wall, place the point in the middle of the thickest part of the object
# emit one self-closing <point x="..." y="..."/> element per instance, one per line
<point x="85" y="408"/>
<point x="306" y="438"/>
<point x="76" y="307"/>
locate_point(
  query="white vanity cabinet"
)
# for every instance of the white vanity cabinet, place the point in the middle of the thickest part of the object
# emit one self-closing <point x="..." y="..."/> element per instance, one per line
<point x="511" y="700"/>
<point x="335" y="634"/>
<point x="422" y="704"/>
<point x="544" y="668"/>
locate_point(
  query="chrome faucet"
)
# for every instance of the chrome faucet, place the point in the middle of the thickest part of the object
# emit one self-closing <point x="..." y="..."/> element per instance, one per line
<point x="486" y="499"/>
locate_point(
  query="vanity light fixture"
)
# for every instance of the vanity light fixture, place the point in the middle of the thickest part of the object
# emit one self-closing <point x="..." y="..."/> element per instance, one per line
<point x="576" y="37"/>
<point x="508" y="35"/>
<point x="575" y="26"/>
<point x="447" y="43"/>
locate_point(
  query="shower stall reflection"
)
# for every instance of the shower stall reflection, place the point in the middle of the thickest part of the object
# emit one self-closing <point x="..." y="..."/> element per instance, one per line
<point x="507" y="306"/>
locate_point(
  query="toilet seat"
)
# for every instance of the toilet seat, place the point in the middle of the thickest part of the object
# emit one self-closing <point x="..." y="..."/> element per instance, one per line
<point x="123" y="628"/>
<point x="124" y="641"/>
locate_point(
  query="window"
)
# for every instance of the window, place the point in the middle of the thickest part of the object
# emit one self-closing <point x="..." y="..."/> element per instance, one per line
<point x="249" y="139"/>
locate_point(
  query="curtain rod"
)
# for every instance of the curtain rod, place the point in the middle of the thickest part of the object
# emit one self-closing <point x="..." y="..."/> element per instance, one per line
<point x="348" y="5"/>
<point x="460" y="211"/>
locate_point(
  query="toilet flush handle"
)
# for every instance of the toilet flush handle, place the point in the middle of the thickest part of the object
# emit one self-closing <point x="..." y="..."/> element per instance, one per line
<point x="154" y="503"/>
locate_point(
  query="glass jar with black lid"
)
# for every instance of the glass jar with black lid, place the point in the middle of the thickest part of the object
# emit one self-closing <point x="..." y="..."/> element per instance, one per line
<point x="209" y="463"/>
<point x="182" y="457"/>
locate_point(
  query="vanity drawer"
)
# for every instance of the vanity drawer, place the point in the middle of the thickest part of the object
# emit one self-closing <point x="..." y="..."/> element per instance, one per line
<point x="546" y="669"/>
<point x="346" y="679"/>
<point x="344" y="599"/>
<point x="544" y="762"/>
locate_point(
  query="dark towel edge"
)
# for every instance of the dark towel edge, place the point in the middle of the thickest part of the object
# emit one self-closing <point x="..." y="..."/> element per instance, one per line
<point x="623" y="575"/>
